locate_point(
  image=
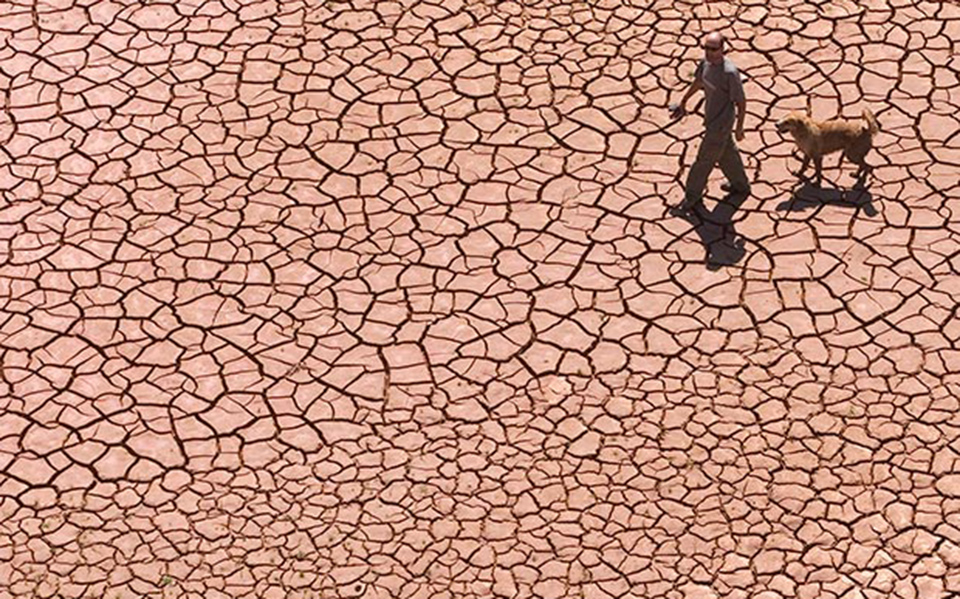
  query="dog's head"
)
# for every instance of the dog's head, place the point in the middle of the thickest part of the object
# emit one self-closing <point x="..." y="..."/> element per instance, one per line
<point x="794" y="123"/>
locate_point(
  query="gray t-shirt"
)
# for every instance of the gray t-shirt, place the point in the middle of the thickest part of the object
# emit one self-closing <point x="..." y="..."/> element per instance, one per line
<point x="722" y="86"/>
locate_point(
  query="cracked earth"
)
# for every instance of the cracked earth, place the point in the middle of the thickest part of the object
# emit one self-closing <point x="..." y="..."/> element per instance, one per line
<point x="376" y="300"/>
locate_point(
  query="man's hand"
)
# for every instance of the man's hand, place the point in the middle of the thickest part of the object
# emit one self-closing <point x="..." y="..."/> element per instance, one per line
<point x="677" y="111"/>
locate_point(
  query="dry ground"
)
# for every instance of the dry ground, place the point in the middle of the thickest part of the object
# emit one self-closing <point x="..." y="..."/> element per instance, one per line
<point x="384" y="300"/>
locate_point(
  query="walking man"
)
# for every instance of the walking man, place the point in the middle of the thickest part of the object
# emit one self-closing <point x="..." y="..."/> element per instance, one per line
<point x="723" y="114"/>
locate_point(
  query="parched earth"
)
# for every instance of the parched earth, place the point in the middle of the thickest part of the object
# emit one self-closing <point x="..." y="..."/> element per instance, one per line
<point x="382" y="300"/>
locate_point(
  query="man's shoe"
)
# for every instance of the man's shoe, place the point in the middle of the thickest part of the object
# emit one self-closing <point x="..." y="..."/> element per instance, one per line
<point x="731" y="189"/>
<point x="684" y="209"/>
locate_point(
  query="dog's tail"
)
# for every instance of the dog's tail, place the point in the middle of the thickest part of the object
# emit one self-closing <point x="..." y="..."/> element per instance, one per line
<point x="871" y="121"/>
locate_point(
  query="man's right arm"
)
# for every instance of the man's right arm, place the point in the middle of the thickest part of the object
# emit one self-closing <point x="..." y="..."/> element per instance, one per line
<point x="694" y="88"/>
<point x="681" y="108"/>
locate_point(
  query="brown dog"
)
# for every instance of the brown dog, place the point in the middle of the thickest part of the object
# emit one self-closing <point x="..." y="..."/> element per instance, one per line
<point x="816" y="139"/>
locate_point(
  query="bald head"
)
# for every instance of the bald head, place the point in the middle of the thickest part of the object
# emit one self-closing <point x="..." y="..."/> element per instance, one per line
<point x="715" y="38"/>
<point x="713" y="46"/>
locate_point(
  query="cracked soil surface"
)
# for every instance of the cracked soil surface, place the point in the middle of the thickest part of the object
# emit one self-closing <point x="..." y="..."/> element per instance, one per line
<point x="323" y="299"/>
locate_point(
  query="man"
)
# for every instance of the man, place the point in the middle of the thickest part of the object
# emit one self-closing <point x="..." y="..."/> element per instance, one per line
<point x="723" y="114"/>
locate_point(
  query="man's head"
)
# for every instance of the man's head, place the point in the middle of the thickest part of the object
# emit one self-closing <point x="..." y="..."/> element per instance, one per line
<point x="713" y="47"/>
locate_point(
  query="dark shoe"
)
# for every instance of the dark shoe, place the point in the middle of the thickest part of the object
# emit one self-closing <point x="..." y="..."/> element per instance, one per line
<point x="731" y="189"/>
<point x="685" y="209"/>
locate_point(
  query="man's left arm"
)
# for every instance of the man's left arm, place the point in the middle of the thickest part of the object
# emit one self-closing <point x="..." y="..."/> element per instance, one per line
<point x="739" y="100"/>
<point x="741" y="113"/>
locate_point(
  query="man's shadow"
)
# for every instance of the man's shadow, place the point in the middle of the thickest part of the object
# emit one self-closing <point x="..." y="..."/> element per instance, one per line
<point x="809" y="195"/>
<point x="723" y="245"/>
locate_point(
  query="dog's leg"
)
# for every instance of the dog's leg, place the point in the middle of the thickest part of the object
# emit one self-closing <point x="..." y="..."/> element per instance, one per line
<point x="804" y="165"/>
<point x="859" y="158"/>
<point x="818" y="165"/>
<point x="863" y="169"/>
<point x="862" y="175"/>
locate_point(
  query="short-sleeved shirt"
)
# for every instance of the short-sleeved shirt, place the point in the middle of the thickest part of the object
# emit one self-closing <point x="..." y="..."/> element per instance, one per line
<point x="722" y="86"/>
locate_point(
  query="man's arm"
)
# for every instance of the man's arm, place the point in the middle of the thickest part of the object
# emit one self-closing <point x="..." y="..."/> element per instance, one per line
<point x="741" y="113"/>
<point x="694" y="88"/>
<point x="681" y="108"/>
<point x="739" y="100"/>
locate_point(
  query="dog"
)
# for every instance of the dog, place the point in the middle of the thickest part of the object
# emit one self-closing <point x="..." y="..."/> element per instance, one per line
<point x="816" y="139"/>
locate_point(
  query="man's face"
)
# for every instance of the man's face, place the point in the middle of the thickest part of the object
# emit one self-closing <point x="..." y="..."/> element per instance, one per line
<point x="714" y="50"/>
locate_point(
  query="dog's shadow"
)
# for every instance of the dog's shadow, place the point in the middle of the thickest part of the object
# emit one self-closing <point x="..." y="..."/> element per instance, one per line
<point x="809" y="195"/>
<point x="723" y="245"/>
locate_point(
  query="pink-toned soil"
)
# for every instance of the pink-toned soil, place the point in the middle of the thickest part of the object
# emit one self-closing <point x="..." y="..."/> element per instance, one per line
<point x="385" y="300"/>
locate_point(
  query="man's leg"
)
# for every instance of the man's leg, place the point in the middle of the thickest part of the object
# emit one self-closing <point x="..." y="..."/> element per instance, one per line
<point x="710" y="150"/>
<point x="732" y="166"/>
